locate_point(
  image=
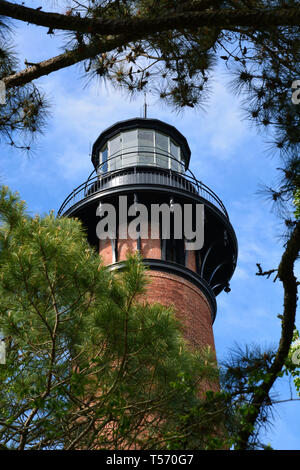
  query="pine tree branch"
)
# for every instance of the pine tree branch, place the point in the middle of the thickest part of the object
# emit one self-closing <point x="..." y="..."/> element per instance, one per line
<point x="128" y="30"/>
<point x="289" y="281"/>
<point x="64" y="60"/>
<point x="255" y="17"/>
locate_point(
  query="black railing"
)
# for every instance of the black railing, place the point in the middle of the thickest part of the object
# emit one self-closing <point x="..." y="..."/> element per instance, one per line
<point x="139" y="174"/>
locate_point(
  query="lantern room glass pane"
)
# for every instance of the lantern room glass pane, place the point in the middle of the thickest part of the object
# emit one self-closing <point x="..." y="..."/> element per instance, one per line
<point x="146" y="146"/>
<point x="175" y="153"/>
<point x="103" y="160"/>
<point x="115" y="153"/>
<point x="129" y="140"/>
<point x="130" y="146"/>
<point x="162" y="142"/>
<point x="162" y="149"/>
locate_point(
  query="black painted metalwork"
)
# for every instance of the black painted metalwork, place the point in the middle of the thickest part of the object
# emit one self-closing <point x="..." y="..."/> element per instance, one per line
<point x="203" y="263"/>
<point x="152" y="184"/>
<point x="153" y="175"/>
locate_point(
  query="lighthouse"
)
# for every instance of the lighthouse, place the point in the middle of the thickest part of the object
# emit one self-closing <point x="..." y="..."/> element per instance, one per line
<point x="142" y="196"/>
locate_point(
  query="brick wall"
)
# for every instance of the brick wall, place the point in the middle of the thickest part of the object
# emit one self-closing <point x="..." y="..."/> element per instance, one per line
<point x="191" y="306"/>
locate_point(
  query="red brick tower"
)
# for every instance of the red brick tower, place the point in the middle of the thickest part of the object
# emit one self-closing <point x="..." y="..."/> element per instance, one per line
<point x="144" y="162"/>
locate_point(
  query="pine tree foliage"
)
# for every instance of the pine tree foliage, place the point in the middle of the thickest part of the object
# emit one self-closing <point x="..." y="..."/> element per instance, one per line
<point x="25" y="109"/>
<point x="89" y="365"/>
<point x="243" y="372"/>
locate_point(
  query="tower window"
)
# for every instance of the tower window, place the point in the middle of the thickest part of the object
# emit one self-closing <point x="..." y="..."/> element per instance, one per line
<point x="175" y="251"/>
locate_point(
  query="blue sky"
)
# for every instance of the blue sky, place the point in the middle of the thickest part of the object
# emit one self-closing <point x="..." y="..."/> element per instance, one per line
<point x="227" y="155"/>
